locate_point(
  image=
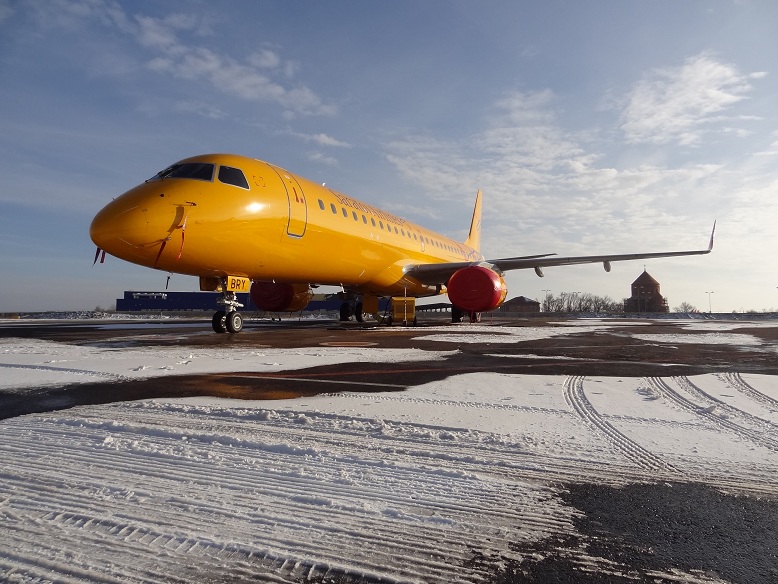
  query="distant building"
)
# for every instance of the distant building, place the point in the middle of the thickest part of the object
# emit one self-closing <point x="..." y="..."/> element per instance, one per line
<point x="520" y="304"/>
<point x="438" y="307"/>
<point x="646" y="296"/>
<point x="145" y="301"/>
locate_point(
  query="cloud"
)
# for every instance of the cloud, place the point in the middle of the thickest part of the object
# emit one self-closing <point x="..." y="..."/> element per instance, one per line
<point x="522" y="151"/>
<point x="549" y="187"/>
<point x="159" y="34"/>
<point x="265" y="59"/>
<point x="527" y="108"/>
<point x="250" y="80"/>
<point x="176" y="48"/>
<point x="75" y="14"/>
<point x="321" y="139"/>
<point x="202" y="109"/>
<point x="322" y="159"/>
<point x="440" y="167"/>
<point x="5" y="10"/>
<point x="681" y="104"/>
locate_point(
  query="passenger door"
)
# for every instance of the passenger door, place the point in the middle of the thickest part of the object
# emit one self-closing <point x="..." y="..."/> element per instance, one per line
<point x="298" y="208"/>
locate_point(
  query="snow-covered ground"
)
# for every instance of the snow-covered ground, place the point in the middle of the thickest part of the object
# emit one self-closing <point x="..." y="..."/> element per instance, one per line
<point x="442" y="482"/>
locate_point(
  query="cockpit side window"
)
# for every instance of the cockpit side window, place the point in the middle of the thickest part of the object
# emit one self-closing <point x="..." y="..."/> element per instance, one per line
<point x="193" y="170"/>
<point x="233" y="176"/>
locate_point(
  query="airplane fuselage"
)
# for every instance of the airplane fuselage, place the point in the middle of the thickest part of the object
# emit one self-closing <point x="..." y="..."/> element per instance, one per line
<point x="219" y="215"/>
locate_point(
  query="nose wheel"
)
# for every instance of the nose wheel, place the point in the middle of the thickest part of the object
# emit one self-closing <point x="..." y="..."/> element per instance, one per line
<point x="229" y="320"/>
<point x="219" y="321"/>
<point x="234" y="322"/>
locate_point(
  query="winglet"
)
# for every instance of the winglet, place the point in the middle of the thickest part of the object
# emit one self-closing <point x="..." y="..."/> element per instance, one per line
<point x="713" y="231"/>
<point x="474" y="236"/>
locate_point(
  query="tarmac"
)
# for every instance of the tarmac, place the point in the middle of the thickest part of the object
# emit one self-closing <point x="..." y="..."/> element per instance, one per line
<point x="740" y="534"/>
<point x="584" y="354"/>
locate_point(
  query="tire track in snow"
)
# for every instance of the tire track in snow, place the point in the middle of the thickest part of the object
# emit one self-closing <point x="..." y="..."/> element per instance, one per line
<point x="373" y="525"/>
<point x="387" y="548"/>
<point x="173" y="555"/>
<point x="452" y="403"/>
<point x="467" y="450"/>
<point x="697" y="392"/>
<point x="706" y="412"/>
<point x="67" y="370"/>
<point x="471" y="450"/>
<point x="142" y="538"/>
<point x="736" y="381"/>
<point x="576" y="397"/>
<point x="426" y="533"/>
<point x="198" y="470"/>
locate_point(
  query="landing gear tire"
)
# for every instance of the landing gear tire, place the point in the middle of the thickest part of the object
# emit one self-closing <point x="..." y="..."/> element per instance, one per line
<point x="345" y="312"/>
<point x="234" y="322"/>
<point x="358" y="312"/>
<point x="219" y="321"/>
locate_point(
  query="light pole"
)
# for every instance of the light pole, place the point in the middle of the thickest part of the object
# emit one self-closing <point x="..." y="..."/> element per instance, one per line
<point x="710" y="309"/>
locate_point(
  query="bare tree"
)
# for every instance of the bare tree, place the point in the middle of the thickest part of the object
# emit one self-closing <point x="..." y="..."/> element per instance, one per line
<point x="576" y="302"/>
<point x="685" y="307"/>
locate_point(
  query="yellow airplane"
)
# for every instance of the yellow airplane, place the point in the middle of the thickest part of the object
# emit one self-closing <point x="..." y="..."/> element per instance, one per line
<point x="241" y="224"/>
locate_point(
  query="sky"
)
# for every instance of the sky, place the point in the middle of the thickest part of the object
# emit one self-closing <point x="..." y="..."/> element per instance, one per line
<point x="591" y="127"/>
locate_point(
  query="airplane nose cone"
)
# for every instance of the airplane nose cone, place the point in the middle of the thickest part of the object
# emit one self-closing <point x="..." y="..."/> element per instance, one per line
<point x="134" y="225"/>
<point x="104" y="228"/>
<point x="116" y="226"/>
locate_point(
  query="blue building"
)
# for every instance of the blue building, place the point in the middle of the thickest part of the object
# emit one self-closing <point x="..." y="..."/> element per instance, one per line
<point x="136" y="301"/>
<point x="145" y="301"/>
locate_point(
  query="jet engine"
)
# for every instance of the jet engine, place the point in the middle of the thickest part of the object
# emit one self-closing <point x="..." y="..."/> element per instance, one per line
<point x="476" y="289"/>
<point x="280" y="296"/>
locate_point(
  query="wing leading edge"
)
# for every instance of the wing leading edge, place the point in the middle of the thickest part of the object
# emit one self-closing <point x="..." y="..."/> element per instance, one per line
<point x="440" y="273"/>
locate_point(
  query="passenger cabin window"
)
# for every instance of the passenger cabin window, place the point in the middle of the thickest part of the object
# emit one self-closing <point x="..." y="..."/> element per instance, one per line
<point x="193" y="170"/>
<point x="233" y="176"/>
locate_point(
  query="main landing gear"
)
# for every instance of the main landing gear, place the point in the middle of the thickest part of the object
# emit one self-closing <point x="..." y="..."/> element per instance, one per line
<point x="228" y="320"/>
<point x="459" y="315"/>
<point x="351" y="308"/>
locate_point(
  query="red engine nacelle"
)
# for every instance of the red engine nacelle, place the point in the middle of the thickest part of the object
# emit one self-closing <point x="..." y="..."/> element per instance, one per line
<point x="476" y="289"/>
<point x="280" y="296"/>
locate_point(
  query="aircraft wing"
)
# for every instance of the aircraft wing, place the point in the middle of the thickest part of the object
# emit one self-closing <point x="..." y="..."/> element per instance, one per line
<point x="433" y="274"/>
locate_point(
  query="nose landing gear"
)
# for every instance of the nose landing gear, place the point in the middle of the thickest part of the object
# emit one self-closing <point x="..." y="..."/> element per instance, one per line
<point x="228" y="320"/>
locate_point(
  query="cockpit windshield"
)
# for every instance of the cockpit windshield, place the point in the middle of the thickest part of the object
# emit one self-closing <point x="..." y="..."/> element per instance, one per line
<point x="193" y="170"/>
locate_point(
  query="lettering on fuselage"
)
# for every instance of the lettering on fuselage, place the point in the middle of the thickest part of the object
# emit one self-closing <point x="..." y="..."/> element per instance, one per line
<point x="359" y="206"/>
<point x="424" y="240"/>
